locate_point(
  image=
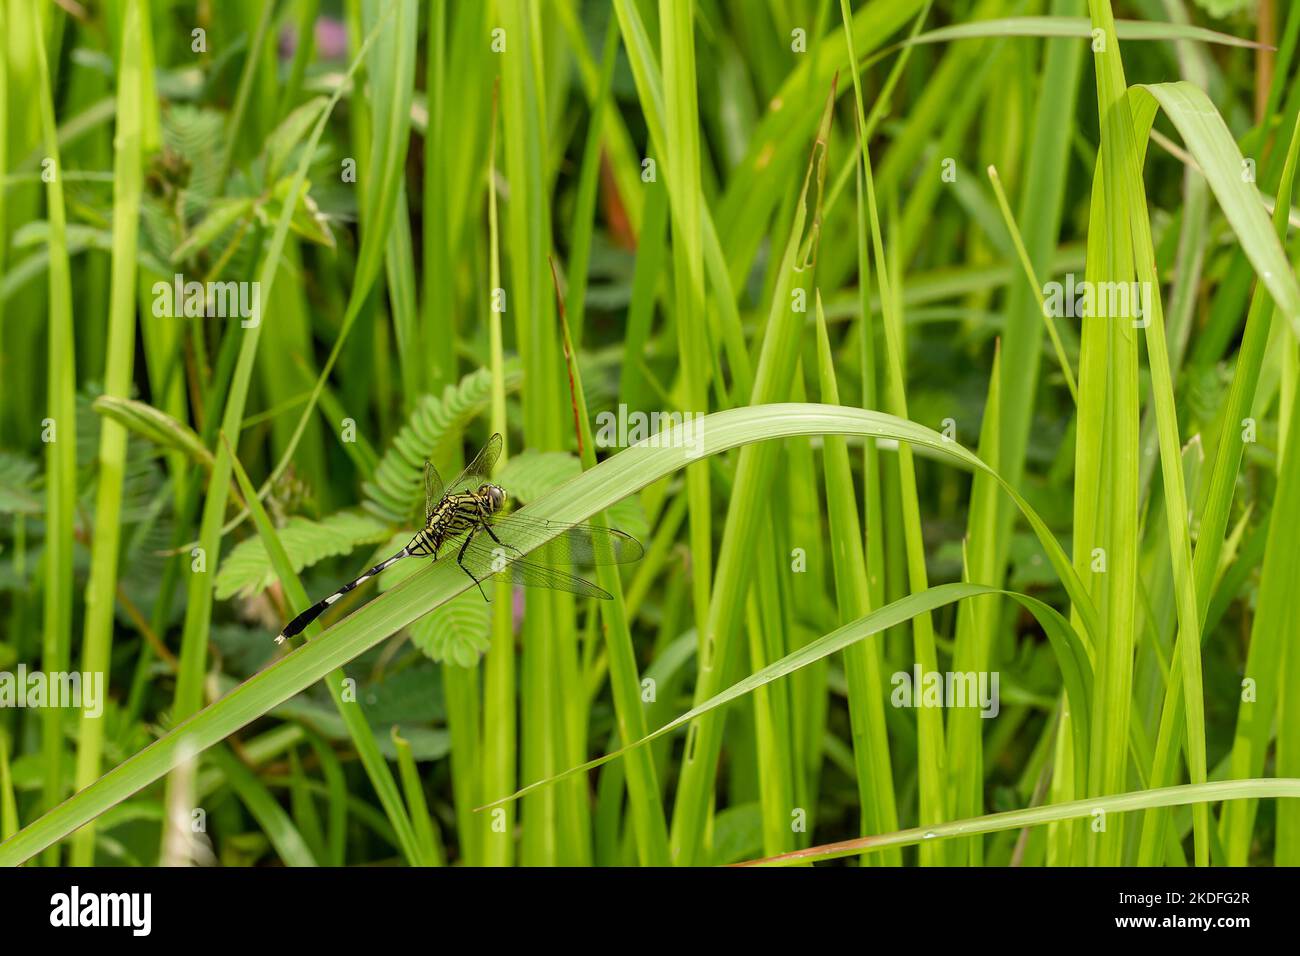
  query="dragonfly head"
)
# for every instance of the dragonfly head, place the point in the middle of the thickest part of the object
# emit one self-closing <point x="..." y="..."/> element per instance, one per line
<point x="495" y="495"/>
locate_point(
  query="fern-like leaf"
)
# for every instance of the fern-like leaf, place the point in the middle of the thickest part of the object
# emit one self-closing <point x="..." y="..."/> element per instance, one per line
<point x="397" y="489"/>
<point x="18" y="485"/>
<point x="156" y="425"/>
<point x="248" y="570"/>
<point x="455" y="632"/>
<point x="196" y="135"/>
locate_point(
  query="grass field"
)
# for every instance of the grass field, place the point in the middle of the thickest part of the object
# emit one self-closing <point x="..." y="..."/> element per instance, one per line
<point x="963" y="338"/>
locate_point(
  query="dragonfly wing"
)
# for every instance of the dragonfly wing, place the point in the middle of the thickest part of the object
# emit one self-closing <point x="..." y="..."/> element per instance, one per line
<point x="432" y="488"/>
<point x="567" y="544"/>
<point x="478" y="470"/>
<point x="484" y="557"/>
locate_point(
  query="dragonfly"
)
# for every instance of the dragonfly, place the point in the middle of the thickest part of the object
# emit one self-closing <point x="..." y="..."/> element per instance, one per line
<point x="466" y="518"/>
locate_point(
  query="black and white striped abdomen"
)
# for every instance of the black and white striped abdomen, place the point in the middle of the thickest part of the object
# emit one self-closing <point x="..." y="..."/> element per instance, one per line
<point x="316" y="610"/>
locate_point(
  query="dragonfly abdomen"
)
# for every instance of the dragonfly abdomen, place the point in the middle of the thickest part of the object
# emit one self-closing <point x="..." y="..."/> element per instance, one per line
<point x="316" y="610"/>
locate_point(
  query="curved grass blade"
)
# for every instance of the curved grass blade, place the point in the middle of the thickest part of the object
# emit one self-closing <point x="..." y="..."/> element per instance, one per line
<point x="1215" y="150"/>
<point x="1076" y="27"/>
<point x="61" y="453"/>
<point x="101" y="596"/>
<point x="1195" y="793"/>
<point x="1069" y="651"/>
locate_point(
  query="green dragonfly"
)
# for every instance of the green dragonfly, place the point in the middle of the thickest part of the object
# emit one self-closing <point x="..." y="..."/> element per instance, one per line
<point x="466" y="518"/>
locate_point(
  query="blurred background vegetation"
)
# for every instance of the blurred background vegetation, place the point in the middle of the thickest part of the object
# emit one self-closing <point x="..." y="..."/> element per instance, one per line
<point x="416" y="190"/>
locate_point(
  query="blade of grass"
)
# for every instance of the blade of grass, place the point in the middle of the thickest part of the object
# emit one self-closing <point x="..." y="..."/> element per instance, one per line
<point x="681" y="160"/>
<point x="335" y="791"/>
<point x="268" y="813"/>
<point x="438" y="298"/>
<point x="499" y="691"/>
<point x="1195" y="64"/>
<point x="1080" y="27"/>
<point x="862" y="662"/>
<point x="1177" y="512"/>
<point x="399" y="265"/>
<point x="1283" y="578"/>
<point x="1271" y="659"/>
<point x="8" y="803"/>
<point x="1217" y="149"/>
<point x="1106" y="479"/>
<point x="754" y="474"/>
<point x="650" y="88"/>
<point x="1023" y="254"/>
<point x="252" y="60"/>
<point x="426" y="832"/>
<point x="528" y="228"/>
<point x="774" y="150"/>
<point x="61" y="447"/>
<point x="930" y="757"/>
<point x="1204" y="793"/>
<point x="1064" y="641"/>
<point x="644" y="795"/>
<point x="588" y="178"/>
<point x="976" y="624"/>
<point x="302" y="807"/>
<point x="194" y="640"/>
<point x="101" y="600"/>
<point x="1043" y="180"/>
<point x="4" y="167"/>
<point x="391" y="31"/>
<point x="200" y="588"/>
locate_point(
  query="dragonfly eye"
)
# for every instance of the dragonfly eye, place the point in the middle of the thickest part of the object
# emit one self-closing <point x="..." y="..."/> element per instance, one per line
<point x="497" y="496"/>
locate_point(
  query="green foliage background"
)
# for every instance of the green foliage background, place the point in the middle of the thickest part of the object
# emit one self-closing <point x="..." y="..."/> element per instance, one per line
<point x="829" y="226"/>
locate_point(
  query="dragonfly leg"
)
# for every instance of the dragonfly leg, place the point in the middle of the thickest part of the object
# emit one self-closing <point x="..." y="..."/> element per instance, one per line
<point x="492" y="534"/>
<point x="460" y="559"/>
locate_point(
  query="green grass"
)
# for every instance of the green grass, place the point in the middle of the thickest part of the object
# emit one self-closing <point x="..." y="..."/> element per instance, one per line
<point x="775" y="214"/>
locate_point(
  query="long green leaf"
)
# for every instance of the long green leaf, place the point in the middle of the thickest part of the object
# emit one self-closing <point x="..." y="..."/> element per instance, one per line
<point x="1202" y="793"/>
<point x="61" y="437"/>
<point x="101" y="595"/>
<point x="1078" y="27"/>
<point x="1070" y="656"/>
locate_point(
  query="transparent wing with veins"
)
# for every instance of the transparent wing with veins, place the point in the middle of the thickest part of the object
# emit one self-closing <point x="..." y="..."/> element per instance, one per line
<point x="525" y="551"/>
<point x="475" y="473"/>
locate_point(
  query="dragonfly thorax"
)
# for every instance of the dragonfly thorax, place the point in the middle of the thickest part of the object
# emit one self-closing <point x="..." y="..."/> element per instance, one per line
<point x="456" y="515"/>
